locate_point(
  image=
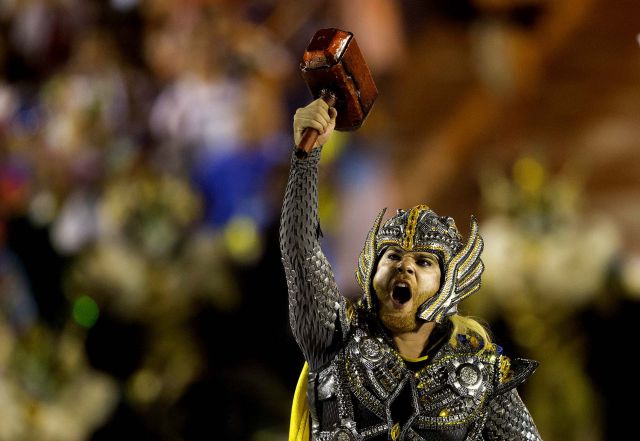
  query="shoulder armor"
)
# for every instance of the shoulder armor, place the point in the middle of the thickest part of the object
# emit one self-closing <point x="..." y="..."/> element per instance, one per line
<point x="509" y="373"/>
<point x="512" y="373"/>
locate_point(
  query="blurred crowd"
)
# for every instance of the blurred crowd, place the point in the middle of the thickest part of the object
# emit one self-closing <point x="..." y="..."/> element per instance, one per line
<point x="142" y="151"/>
<point x="144" y="148"/>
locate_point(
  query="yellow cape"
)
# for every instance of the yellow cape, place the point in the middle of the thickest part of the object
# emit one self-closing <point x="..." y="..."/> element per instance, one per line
<point x="299" y="429"/>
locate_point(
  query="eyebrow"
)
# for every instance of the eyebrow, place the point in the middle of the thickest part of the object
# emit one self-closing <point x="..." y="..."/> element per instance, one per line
<point x="428" y="256"/>
<point x="421" y="254"/>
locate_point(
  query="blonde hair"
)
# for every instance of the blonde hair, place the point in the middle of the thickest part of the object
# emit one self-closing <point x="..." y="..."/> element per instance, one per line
<point x="472" y="328"/>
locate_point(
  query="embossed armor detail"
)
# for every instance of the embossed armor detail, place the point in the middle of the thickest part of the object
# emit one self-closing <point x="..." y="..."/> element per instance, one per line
<point x="359" y="386"/>
<point x="421" y="229"/>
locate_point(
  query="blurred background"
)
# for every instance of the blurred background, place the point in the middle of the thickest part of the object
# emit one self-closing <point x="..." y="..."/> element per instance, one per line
<point x="144" y="149"/>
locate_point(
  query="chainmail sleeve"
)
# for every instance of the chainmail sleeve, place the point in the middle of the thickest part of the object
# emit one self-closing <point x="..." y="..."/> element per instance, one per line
<point x="509" y="419"/>
<point x="316" y="308"/>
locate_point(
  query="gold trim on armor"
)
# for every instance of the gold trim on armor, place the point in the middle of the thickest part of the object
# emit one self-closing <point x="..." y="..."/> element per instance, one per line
<point x="395" y="431"/>
<point x="410" y="229"/>
<point x="505" y="369"/>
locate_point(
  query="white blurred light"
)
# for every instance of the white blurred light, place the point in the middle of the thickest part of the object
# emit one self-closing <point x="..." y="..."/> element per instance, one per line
<point x="77" y="223"/>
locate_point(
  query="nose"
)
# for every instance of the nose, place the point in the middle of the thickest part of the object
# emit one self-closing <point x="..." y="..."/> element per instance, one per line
<point x="404" y="265"/>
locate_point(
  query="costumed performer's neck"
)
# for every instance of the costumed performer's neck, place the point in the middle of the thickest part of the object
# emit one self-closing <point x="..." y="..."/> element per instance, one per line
<point x="412" y="344"/>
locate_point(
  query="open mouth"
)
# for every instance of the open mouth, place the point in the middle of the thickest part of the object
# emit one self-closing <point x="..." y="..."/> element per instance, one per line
<point x="401" y="293"/>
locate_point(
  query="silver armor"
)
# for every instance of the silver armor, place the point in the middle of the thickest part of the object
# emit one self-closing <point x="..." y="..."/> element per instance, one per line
<point x="360" y="388"/>
<point x="421" y="229"/>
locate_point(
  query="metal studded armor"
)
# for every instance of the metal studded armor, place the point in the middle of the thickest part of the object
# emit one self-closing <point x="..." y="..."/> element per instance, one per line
<point x="421" y="229"/>
<point x="359" y="387"/>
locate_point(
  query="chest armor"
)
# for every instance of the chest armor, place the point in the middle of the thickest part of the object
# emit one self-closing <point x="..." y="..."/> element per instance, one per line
<point x="367" y="392"/>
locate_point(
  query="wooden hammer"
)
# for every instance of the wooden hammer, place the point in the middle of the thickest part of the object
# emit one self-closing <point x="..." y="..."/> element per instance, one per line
<point x="334" y="70"/>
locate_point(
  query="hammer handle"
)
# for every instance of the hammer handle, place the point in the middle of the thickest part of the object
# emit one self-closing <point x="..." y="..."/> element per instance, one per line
<point x="310" y="135"/>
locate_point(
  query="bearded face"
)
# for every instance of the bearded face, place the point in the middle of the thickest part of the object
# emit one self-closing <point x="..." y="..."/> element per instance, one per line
<point x="403" y="281"/>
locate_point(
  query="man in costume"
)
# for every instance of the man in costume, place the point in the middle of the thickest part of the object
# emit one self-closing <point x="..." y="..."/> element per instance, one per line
<point x="401" y="363"/>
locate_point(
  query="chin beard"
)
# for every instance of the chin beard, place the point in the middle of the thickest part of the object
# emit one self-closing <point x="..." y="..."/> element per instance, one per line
<point x="400" y="322"/>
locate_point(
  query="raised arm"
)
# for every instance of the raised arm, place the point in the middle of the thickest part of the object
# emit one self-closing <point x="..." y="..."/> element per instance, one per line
<point x="316" y="308"/>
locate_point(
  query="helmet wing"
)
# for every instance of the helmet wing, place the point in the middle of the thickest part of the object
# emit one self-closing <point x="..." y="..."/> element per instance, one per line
<point x="367" y="261"/>
<point x="462" y="278"/>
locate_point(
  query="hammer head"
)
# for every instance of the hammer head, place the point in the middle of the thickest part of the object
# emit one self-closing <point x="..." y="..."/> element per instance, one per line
<point x="333" y="61"/>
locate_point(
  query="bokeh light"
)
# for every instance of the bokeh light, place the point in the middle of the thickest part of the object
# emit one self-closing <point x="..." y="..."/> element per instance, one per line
<point x="85" y="311"/>
<point x="144" y="153"/>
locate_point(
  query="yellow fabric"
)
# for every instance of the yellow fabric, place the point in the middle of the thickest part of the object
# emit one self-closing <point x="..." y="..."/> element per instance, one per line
<point x="299" y="429"/>
<point x="414" y="360"/>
